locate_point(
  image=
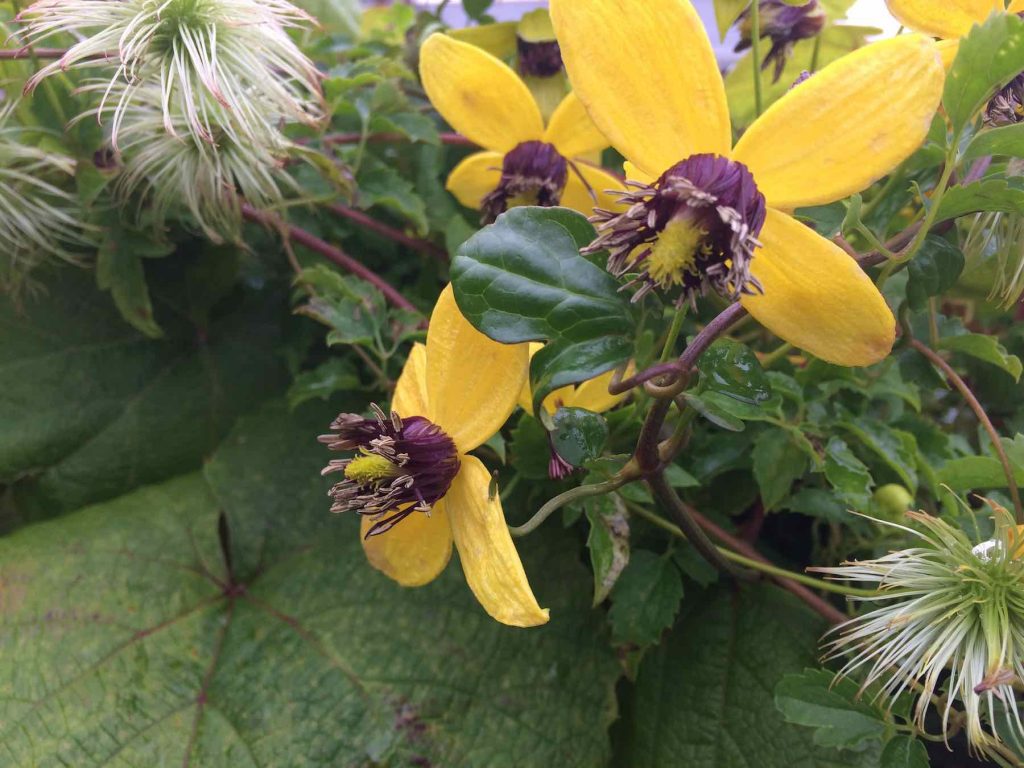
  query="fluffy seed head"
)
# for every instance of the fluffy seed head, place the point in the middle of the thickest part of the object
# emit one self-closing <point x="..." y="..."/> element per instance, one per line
<point x="949" y="612"/>
<point x="235" y="53"/>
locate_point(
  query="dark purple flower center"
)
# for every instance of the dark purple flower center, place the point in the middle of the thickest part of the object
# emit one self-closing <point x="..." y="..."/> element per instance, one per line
<point x="1007" y="106"/>
<point x="785" y="25"/>
<point x="400" y="466"/>
<point x="532" y="173"/>
<point x="695" y="228"/>
<point x="539" y="59"/>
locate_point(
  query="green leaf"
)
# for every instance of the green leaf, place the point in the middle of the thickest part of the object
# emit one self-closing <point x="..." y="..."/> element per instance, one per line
<point x="714" y="413"/>
<point x="327" y="379"/>
<point x="530" y="449"/>
<point x="119" y="270"/>
<point x="225" y="619"/>
<point x="726" y="13"/>
<point x="989" y="57"/>
<point x="579" y="435"/>
<point x="564" y="362"/>
<point x="381" y="185"/>
<point x="895" y="447"/>
<point x="91" y="408"/>
<point x="732" y="369"/>
<point x="646" y="599"/>
<point x="704" y="697"/>
<point x="814" y="698"/>
<point x="933" y="271"/>
<point x="778" y="463"/>
<point x="904" y="752"/>
<point x="523" y="279"/>
<point x="986" y="348"/>
<point x="976" y="472"/>
<point x="1007" y="141"/>
<point x="353" y="309"/>
<point x="770" y="410"/>
<point x="608" y="543"/>
<point x="986" y="195"/>
<point x="847" y="474"/>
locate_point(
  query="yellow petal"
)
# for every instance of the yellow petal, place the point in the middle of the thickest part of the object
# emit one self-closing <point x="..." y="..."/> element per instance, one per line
<point x="942" y="18"/>
<point x="410" y="398"/>
<point x="572" y="131"/>
<point x="594" y="396"/>
<point x="1017" y="6"/>
<point x="415" y="551"/>
<point x="473" y="383"/>
<point x="489" y="559"/>
<point x="817" y="297"/>
<point x="948" y="50"/>
<point x="599" y="181"/>
<point x="635" y="174"/>
<point x="846" y="126"/>
<point x="479" y="96"/>
<point x="475" y="177"/>
<point x="647" y="75"/>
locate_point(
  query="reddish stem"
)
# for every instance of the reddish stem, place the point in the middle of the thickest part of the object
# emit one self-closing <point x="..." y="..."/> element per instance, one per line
<point x="32" y="53"/>
<point x="414" y="243"/>
<point x="452" y="139"/>
<point x="330" y="252"/>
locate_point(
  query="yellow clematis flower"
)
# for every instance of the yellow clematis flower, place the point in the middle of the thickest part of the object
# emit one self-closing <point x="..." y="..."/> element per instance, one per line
<point x="523" y="162"/>
<point x="948" y="20"/>
<point x="412" y="480"/>
<point x="717" y="215"/>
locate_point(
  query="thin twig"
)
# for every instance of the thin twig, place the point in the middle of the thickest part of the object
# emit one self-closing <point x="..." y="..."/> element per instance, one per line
<point x="368" y="222"/>
<point x="330" y="252"/>
<point x="979" y="411"/>
<point x="27" y="52"/>
<point x="452" y="139"/>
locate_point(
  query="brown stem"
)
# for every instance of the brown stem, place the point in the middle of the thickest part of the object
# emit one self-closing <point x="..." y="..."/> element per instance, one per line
<point x="685" y="363"/>
<point x="954" y="378"/>
<point x="329" y="252"/>
<point x="32" y="53"/>
<point x="819" y="604"/>
<point x="452" y="139"/>
<point x="368" y="222"/>
<point x="667" y="497"/>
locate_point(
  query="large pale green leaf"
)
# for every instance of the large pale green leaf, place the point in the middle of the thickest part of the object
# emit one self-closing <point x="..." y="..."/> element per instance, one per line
<point x="91" y="408"/>
<point x="226" y="619"/>
<point x="704" y="696"/>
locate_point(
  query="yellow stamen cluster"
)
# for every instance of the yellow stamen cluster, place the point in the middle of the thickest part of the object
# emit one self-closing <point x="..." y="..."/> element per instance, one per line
<point x="674" y="254"/>
<point x="370" y="469"/>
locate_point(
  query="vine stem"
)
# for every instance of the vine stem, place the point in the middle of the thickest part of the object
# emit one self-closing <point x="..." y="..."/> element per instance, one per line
<point x="979" y="411"/>
<point x="368" y="222"/>
<point x="751" y="562"/>
<point x="692" y="532"/>
<point x="573" y="494"/>
<point x="28" y="52"/>
<point x="452" y="139"/>
<point x="330" y="252"/>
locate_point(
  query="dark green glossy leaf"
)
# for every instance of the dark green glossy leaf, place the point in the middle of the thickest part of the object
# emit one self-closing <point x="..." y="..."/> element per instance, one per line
<point x="523" y="279"/>
<point x="579" y="435"/>
<point x="714" y="413"/>
<point x="933" y="271"/>
<point x="530" y="449"/>
<point x="989" y="57"/>
<point x="561" y="363"/>
<point x="646" y="599"/>
<point x="732" y="369"/>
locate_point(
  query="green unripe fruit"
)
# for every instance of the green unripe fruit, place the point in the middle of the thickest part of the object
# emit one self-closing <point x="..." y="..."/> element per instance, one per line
<point x="893" y="499"/>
